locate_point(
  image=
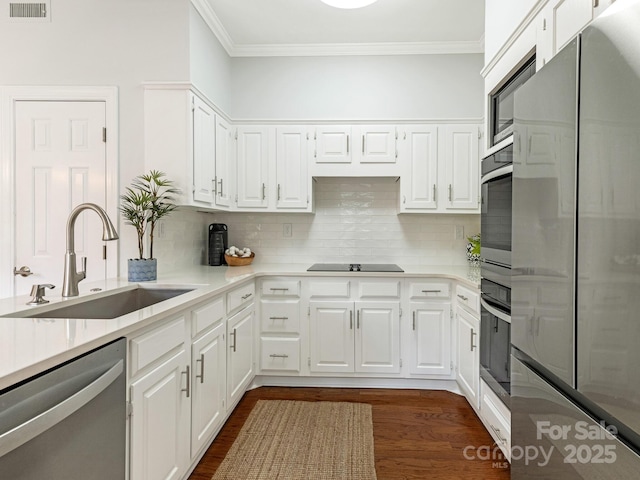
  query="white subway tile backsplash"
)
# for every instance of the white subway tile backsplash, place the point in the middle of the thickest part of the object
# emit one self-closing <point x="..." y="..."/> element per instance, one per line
<point x="356" y="220"/>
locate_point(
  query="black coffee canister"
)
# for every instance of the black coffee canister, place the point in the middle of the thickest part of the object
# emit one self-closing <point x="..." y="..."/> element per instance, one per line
<point x="218" y="243"/>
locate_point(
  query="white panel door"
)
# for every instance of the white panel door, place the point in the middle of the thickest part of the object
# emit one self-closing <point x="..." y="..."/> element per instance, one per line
<point x="240" y="361"/>
<point x="332" y="336"/>
<point x="253" y="166"/>
<point x="420" y="168"/>
<point x="377" y="347"/>
<point x="208" y="378"/>
<point x="225" y="163"/>
<point x="204" y="151"/>
<point x="60" y="162"/>
<point x="462" y="165"/>
<point x="377" y="143"/>
<point x="292" y="152"/>
<point x="468" y="356"/>
<point x="333" y="144"/>
<point x="160" y="422"/>
<point x="431" y="339"/>
<point x="569" y="17"/>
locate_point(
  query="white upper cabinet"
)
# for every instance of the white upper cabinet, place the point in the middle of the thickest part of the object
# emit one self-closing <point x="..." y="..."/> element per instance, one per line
<point x="225" y="164"/>
<point x="333" y="144"/>
<point x="462" y="165"/>
<point x="355" y="150"/>
<point x="440" y="168"/>
<point x="254" y="158"/>
<point x="419" y="174"/>
<point x="293" y="182"/>
<point x="204" y="150"/>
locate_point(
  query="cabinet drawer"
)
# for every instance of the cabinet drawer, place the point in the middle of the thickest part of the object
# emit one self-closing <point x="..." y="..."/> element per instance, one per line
<point x="469" y="298"/>
<point x="240" y="296"/>
<point x="281" y="288"/>
<point x="149" y="347"/>
<point x="380" y="289"/>
<point x="497" y="416"/>
<point x="280" y="354"/>
<point x="419" y="290"/>
<point x="206" y="315"/>
<point x="334" y="288"/>
<point x="280" y="317"/>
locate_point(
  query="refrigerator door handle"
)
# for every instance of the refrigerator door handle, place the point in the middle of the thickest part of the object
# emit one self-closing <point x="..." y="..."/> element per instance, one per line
<point x="494" y="311"/>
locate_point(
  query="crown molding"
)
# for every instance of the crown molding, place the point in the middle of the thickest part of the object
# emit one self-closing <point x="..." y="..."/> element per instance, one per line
<point x="329" y="49"/>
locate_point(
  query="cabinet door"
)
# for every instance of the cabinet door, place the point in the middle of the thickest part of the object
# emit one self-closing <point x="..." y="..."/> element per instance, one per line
<point x="225" y="163"/>
<point x="208" y="374"/>
<point x="420" y="168"/>
<point x="331" y="336"/>
<point x="333" y="144"/>
<point x="253" y="166"/>
<point x="240" y="361"/>
<point x="204" y="151"/>
<point x="292" y="152"/>
<point x="569" y="17"/>
<point x="160" y="421"/>
<point x="462" y="166"/>
<point x="377" y="143"/>
<point x="468" y="356"/>
<point x="431" y="339"/>
<point x="377" y="341"/>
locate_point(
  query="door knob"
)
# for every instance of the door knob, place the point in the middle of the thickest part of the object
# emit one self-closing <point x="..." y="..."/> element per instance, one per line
<point x="23" y="272"/>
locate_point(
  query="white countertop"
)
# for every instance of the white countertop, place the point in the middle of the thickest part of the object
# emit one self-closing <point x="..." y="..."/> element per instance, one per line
<point x="29" y="346"/>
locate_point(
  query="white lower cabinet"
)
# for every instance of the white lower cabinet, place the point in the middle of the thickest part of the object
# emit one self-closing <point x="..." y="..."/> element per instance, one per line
<point x="208" y="394"/>
<point x="468" y="356"/>
<point x="431" y="339"/>
<point x="348" y="337"/>
<point x="240" y="361"/>
<point x="160" y="421"/>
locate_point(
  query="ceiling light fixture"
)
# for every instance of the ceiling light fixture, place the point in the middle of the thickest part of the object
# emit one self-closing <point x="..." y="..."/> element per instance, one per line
<point x="349" y="3"/>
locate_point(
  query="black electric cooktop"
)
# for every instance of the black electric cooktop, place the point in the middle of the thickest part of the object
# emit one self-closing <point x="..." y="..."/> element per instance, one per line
<point x="354" y="267"/>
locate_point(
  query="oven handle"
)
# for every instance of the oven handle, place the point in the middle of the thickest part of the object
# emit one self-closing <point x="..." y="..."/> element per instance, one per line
<point x="494" y="311"/>
<point x="39" y="424"/>
<point x="498" y="172"/>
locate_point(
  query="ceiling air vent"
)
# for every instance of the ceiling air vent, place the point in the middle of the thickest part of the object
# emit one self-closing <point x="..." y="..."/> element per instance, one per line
<point x="32" y="12"/>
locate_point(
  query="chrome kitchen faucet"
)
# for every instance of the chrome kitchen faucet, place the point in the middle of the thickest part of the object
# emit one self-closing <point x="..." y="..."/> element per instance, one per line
<point x="71" y="276"/>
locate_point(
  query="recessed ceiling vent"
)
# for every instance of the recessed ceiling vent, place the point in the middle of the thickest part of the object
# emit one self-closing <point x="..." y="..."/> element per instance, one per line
<point x="29" y="12"/>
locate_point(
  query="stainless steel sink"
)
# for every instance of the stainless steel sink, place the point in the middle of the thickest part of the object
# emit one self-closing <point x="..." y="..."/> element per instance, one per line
<point x="107" y="306"/>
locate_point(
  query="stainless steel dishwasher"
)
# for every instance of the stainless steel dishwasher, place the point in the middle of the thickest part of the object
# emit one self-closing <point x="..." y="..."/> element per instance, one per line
<point x="68" y="423"/>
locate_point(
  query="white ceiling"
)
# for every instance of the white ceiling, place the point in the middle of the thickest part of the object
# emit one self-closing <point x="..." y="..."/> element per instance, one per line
<point x="309" y="27"/>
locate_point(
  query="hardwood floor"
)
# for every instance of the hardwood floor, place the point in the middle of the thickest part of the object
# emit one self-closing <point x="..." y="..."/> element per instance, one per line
<point x="418" y="434"/>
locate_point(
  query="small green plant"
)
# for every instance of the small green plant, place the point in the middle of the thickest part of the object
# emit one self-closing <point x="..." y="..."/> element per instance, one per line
<point x="149" y="198"/>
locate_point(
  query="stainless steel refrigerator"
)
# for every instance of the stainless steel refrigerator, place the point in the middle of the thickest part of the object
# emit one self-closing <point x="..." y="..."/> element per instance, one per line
<point x="575" y="328"/>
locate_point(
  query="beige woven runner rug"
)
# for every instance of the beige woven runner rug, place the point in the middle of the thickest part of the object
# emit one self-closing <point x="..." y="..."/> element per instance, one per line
<point x="295" y="440"/>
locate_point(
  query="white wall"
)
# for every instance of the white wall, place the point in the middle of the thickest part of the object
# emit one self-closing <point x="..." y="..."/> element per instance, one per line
<point x="502" y="17"/>
<point x="96" y="42"/>
<point x="355" y="221"/>
<point x="210" y="64"/>
<point x="357" y="87"/>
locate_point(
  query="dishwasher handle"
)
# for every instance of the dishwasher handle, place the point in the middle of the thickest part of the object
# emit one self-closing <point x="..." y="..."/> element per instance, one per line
<point x="39" y="424"/>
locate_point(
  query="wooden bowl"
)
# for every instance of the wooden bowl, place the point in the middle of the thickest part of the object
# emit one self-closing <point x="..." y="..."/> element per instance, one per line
<point x="238" y="261"/>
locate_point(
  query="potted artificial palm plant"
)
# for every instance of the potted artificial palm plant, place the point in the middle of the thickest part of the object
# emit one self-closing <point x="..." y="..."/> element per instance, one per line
<point x="149" y="198"/>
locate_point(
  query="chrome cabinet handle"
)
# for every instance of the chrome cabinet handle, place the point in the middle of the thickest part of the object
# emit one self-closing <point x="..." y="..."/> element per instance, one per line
<point x="214" y="182"/>
<point x="201" y="360"/>
<point x="414" y="321"/>
<point x="363" y="144"/>
<point x="462" y="297"/>
<point x="431" y="291"/>
<point x="264" y="189"/>
<point x="220" y="188"/>
<point x="473" y="334"/>
<point x="233" y="347"/>
<point x="33" y="427"/>
<point x="23" y="272"/>
<point x="350" y="319"/>
<point x="450" y="192"/>
<point x="244" y="297"/>
<point x="434" y="192"/>
<point x="279" y="289"/>
<point x="358" y="319"/>
<point x="278" y="318"/>
<point x="278" y="192"/>
<point x="276" y="355"/>
<point x="347" y="143"/>
<point x="187" y="390"/>
<point x="498" y="434"/>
